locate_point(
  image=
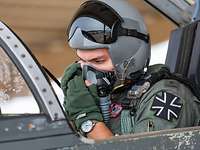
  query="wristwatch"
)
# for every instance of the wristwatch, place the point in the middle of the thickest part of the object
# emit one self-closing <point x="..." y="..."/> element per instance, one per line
<point x="87" y="126"/>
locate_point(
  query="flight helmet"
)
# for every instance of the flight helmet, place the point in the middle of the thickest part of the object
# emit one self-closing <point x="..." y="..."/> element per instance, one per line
<point x="117" y="26"/>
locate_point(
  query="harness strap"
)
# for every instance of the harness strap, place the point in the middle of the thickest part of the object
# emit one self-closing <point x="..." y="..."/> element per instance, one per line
<point x="127" y="122"/>
<point x="164" y="73"/>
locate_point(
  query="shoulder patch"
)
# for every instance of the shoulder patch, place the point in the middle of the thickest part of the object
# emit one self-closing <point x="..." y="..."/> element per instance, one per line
<point x="166" y="106"/>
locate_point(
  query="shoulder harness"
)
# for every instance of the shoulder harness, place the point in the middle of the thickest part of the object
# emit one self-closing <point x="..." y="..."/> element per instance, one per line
<point x="158" y="72"/>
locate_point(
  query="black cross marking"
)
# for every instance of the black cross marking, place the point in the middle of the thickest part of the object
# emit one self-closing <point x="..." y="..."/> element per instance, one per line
<point x="166" y="106"/>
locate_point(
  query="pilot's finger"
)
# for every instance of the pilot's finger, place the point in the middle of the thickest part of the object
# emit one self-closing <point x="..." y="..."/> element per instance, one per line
<point x="88" y="82"/>
<point x="82" y="63"/>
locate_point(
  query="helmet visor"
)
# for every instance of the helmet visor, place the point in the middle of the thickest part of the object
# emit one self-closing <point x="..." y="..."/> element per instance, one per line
<point x="100" y="23"/>
<point x="92" y="29"/>
<point x="97" y="21"/>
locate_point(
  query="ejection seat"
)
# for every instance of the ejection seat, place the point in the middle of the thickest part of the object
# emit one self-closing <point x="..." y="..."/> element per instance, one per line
<point x="183" y="57"/>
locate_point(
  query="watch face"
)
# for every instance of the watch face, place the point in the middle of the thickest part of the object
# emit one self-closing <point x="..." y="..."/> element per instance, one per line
<point x="87" y="126"/>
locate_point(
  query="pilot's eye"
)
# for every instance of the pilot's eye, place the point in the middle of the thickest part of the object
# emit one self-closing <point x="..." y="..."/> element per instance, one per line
<point x="99" y="61"/>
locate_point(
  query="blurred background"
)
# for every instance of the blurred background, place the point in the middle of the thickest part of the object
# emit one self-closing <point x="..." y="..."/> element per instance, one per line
<point x="41" y="24"/>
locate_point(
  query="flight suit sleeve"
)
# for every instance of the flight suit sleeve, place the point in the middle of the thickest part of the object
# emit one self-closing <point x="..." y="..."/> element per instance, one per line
<point x="167" y="105"/>
<point x="80" y="101"/>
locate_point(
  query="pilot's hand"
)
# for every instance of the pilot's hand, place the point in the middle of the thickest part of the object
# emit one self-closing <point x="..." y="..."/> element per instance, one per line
<point x="81" y="101"/>
<point x="70" y="72"/>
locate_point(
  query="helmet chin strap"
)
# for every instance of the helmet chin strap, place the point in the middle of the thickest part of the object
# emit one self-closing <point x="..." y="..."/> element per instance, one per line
<point x="122" y="84"/>
<point x="136" y="75"/>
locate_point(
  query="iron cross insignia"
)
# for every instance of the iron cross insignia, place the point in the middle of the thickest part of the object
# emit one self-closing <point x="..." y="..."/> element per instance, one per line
<point x="166" y="105"/>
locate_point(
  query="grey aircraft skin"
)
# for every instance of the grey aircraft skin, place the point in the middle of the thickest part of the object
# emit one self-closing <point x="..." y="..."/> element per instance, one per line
<point x="50" y="129"/>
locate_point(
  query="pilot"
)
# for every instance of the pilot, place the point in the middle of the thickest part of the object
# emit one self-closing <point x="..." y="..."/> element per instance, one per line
<point x="111" y="37"/>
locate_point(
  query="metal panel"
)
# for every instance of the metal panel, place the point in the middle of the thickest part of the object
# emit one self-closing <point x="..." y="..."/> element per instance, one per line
<point x="176" y="139"/>
<point x="178" y="11"/>
<point x="35" y="132"/>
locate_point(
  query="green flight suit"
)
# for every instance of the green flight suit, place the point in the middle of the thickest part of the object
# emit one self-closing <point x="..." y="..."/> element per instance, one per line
<point x="166" y="104"/>
<point x="146" y="119"/>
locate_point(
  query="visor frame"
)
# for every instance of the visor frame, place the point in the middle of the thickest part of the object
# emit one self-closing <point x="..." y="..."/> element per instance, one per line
<point x="83" y="12"/>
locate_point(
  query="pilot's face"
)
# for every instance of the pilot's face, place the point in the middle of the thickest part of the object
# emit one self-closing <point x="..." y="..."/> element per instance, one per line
<point x="98" y="58"/>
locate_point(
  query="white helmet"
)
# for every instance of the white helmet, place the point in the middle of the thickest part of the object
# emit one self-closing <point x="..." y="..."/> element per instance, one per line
<point x="117" y="26"/>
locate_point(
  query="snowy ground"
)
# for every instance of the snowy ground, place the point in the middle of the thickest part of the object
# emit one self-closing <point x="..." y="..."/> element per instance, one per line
<point x="27" y="104"/>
